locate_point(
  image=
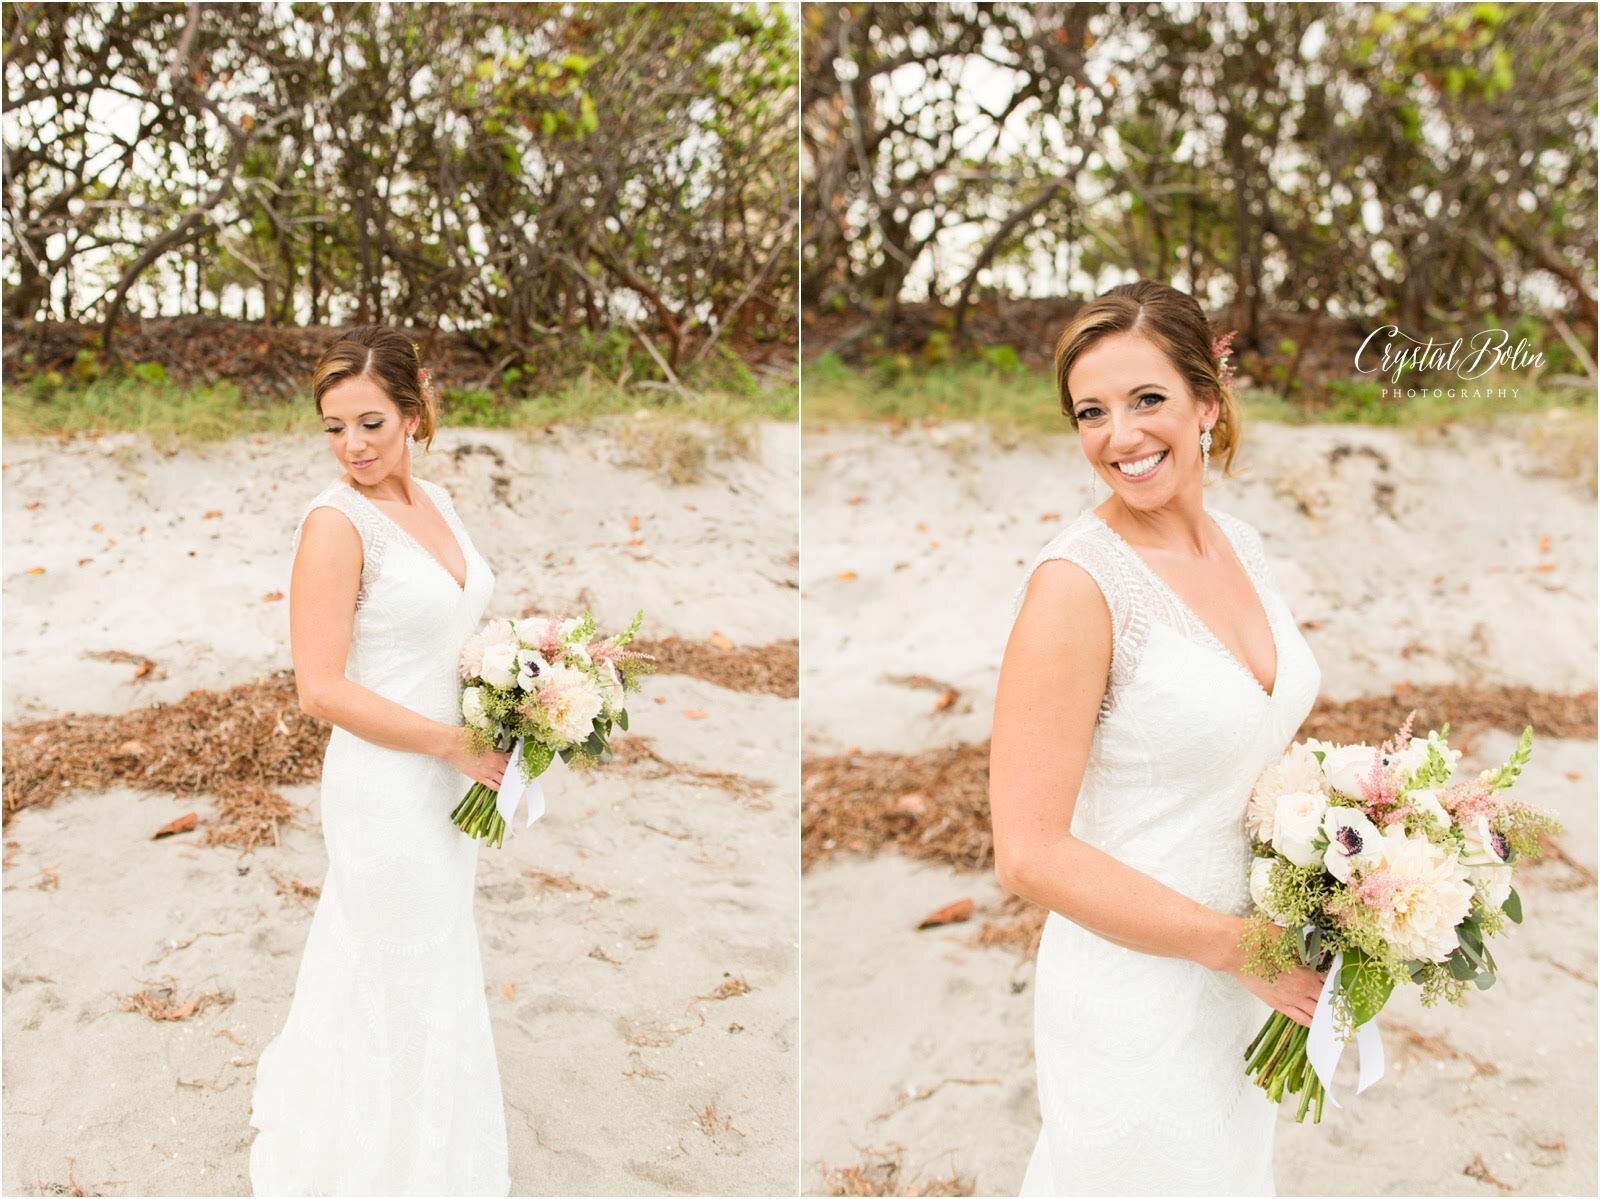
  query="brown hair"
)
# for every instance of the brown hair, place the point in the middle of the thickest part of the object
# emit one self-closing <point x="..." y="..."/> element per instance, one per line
<point x="389" y="358"/>
<point x="1174" y="323"/>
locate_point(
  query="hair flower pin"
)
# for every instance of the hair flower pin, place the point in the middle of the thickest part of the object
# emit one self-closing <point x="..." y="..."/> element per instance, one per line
<point x="1222" y="351"/>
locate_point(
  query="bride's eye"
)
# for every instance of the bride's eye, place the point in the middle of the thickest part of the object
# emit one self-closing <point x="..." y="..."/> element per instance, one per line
<point x="1152" y="395"/>
<point x="1089" y="413"/>
<point x="374" y="425"/>
<point x="333" y="430"/>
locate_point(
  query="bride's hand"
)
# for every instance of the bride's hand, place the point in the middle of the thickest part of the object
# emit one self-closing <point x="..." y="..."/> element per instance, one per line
<point x="1294" y="992"/>
<point x="488" y="767"/>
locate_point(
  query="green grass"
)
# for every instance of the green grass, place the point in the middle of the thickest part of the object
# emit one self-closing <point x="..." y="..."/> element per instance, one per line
<point x="1022" y="402"/>
<point x="144" y="401"/>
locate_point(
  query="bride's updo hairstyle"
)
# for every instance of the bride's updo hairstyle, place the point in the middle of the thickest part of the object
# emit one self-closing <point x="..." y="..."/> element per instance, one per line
<point x="1172" y="321"/>
<point x="389" y="358"/>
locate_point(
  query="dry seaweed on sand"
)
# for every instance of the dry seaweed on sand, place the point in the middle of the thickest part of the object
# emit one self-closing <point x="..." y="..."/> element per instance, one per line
<point x="1019" y="926"/>
<point x="772" y="669"/>
<point x="935" y="804"/>
<point x="883" y="1172"/>
<point x="1551" y="714"/>
<point x="159" y="1001"/>
<point x="235" y="744"/>
<point x="637" y="752"/>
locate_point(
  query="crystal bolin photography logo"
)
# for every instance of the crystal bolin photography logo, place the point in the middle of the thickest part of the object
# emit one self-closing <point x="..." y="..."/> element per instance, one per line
<point x="1467" y="359"/>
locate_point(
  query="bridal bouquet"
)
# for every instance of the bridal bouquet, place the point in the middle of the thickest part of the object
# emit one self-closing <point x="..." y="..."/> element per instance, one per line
<point x="1373" y="864"/>
<point x="541" y="688"/>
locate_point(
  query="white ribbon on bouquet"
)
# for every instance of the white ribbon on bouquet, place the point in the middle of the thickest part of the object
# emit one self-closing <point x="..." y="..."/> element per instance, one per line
<point x="514" y="785"/>
<point x="1324" y="1048"/>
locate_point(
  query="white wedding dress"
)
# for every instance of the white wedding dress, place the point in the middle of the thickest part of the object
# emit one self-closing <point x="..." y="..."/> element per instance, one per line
<point x="384" y="1079"/>
<point x="1140" y="1058"/>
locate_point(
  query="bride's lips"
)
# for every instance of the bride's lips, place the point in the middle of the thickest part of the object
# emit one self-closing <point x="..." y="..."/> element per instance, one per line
<point x="362" y="465"/>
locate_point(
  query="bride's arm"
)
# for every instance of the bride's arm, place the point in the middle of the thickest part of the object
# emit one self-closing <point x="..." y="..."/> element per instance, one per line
<point x="322" y="602"/>
<point x="1051" y="683"/>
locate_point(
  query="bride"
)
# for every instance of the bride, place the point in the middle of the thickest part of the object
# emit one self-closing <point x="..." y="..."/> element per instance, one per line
<point x="384" y="1079"/>
<point x="1153" y="671"/>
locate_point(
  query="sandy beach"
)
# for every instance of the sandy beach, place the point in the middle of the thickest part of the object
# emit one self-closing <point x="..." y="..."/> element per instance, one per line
<point x="1452" y="560"/>
<point x="639" y="942"/>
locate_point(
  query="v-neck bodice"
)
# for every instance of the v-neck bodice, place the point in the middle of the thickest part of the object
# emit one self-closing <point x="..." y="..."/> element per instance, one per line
<point x="412" y="616"/>
<point x="450" y="527"/>
<point x="1193" y="619"/>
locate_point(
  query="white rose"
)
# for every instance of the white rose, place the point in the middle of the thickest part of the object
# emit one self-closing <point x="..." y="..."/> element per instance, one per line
<point x="1260" y="876"/>
<point x="500" y="632"/>
<point x="1295" y="822"/>
<point x="1345" y="766"/>
<point x="1451" y="756"/>
<point x="1354" y="842"/>
<point x="472" y="707"/>
<point x="500" y="664"/>
<point x="1428" y="801"/>
<point x="1410" y="759"/>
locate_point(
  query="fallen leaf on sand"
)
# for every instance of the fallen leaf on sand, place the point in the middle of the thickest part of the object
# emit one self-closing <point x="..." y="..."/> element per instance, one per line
<point x="156" y="1001"/>
<point x="1574" y="775"/>
<point x="143" y="668"/>
<point x="1047" y="517"/>
<point x="183" y="824"/>
<point x="272" y="597"/>
<point x="633" y="524"/>
<point x="1544" y="543"/>
<point x="97" y="527"/>
<point x="660" y="699"/>
<point x="636" y="541"/>
<point x="31" y="505"/>
<point x="951" y="913"/>
<point x="718" y="640"/>
<point x="845" y="576"/>
<point x="946" y="698"/>
<point x="36" y="570"/>
<point x="213" y="514"/>
<point x="509" y="990"/>
<point x="1545" y="567"/>
<point x="696" y="713"/>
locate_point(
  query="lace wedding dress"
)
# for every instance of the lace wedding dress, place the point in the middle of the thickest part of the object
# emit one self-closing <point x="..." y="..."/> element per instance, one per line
<point x="384" y="1080"/>
<point x="1140" y="1058"/>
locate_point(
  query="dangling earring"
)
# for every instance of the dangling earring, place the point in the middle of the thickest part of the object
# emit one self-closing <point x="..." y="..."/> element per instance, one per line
<point x="411" y="440"/>
<point x="1205" y="451"/>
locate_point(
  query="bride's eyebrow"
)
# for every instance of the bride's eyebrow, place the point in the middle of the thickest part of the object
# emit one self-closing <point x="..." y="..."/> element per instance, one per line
<point x="364" y="414"/>
<point x="1131" y="391"/>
